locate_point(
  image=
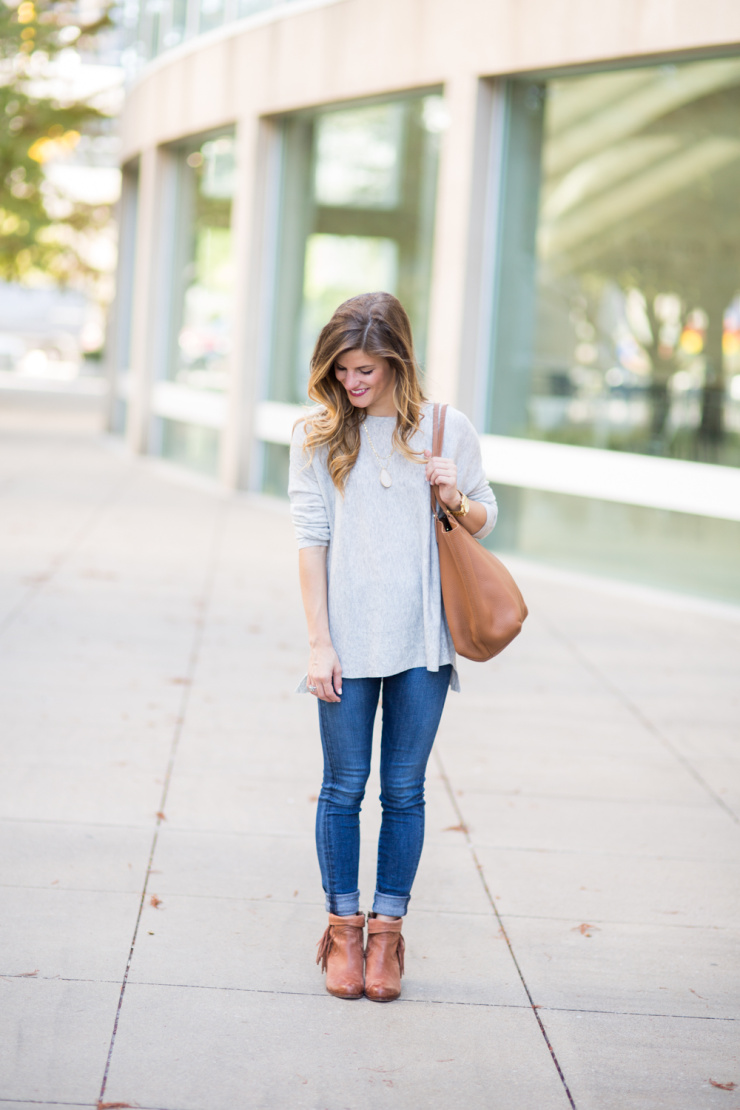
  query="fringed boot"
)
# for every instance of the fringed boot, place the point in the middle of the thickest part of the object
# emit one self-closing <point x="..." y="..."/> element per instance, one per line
<point x="341" y="955"/>
<point x="383" y="959"/>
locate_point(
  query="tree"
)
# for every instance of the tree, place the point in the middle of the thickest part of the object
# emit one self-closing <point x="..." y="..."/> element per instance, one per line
<point x="41" y="231"/>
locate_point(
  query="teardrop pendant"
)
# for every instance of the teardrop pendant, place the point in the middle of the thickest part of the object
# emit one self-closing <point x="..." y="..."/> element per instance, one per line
<point x="385" y="478"/>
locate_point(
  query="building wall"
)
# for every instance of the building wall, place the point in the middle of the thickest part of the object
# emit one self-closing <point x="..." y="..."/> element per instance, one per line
<point x="320" y="53"/>
<point x="303" y="55"/>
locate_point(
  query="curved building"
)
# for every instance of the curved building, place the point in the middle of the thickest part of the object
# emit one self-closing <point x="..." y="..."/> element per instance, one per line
<point x="553" y="190"/>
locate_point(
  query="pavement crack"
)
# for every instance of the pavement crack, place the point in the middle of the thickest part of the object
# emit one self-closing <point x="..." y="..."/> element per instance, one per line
<point x="479" y="867"/>
<point x="195" y="649"/>
<point x="642" y="717"/>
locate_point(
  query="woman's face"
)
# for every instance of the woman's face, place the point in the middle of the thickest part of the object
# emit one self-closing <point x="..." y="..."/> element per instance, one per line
<point x="368" y="380"/>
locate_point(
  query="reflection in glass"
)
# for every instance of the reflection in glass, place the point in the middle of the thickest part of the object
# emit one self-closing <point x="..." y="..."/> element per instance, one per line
<point x="174" y="30"/>
<point x="212" y="13"/>
<point x="671" y="551"/>
<point x="154" y="26"/>
<point x="357" y="161"/>
<point x="621" y="241"/>
<point x="150" y="20"/>
<point x="357" y="215"/>
<point x="202" y="318"/>
<point x="191" y="445"/>
<point x="249" y="7"/>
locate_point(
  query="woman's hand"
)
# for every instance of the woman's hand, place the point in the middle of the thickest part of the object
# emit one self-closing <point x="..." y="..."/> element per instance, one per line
<point x="443" y="473"/>
<point x="325" y="672"/>
<point x="324" y="668"/>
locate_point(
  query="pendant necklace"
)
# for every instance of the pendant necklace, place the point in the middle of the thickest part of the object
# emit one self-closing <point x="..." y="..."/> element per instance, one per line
<point x="385" y="478"/>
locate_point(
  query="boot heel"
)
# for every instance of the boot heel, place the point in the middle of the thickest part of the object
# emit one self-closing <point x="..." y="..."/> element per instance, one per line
<point x="384" y="958"/>
<point x="341" y="956"/>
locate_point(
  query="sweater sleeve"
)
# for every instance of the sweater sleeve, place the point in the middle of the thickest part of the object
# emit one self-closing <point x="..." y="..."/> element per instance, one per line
<point x="307" y="505"/>
<point x="470" y="474"/>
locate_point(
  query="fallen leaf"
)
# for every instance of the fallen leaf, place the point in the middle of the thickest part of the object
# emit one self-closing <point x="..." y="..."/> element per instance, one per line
<point x="295" y="893"/>
<point x="160" y="815"/>
<point x="456" y="828"/>
<point x="54" y="882"/>
<point x="313" y="797"/>
<point x="154" y="901"/>
<point x="114" y="1105"/>
<point x="25" y="974"/>
<point x="585" y="930"/>
<point x="723" y="1086"/>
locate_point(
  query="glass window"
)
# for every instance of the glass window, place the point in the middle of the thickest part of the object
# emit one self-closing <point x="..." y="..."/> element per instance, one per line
<point x="190" y="445"/>
<point x="199" y="337"/>
<point x="671" y="551"/>
<point x="150" y="16"/>
<point x="212" y="14"/>
<point x="201" y="333"/>
<point x="357" y="214"/>
<point x="175" y="28"/>
<point x="617" y="320"/>
<point x="249" y="7"/>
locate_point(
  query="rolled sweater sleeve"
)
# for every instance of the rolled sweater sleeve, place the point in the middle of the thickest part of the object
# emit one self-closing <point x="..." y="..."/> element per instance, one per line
<point x="307" y="504"/>
<point x="470" y="474"/>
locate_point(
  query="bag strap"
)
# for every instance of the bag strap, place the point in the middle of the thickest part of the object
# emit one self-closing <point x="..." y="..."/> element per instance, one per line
<point x="438" y="436"/>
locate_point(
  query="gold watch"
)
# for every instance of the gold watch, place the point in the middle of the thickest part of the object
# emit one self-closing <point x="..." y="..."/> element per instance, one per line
<point x="464" y="506"/>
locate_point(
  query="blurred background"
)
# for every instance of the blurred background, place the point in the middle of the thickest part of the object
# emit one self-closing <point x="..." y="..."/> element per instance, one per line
<point x="190" y="187"/>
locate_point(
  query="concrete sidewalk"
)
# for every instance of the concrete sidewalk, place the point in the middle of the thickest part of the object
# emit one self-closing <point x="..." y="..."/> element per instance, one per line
<point x="573" y="934"/>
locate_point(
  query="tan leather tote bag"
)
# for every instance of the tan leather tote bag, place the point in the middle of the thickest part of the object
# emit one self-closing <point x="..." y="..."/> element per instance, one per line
<point x="482" y="602"/>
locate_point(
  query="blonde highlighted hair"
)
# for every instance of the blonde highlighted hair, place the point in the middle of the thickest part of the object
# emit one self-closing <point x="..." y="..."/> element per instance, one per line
<point x="377" y="324"/>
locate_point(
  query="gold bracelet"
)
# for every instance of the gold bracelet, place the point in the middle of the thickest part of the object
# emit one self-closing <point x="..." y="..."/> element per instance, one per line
<point x="464" y="506"/>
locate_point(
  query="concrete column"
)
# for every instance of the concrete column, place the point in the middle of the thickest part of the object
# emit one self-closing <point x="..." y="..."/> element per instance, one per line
<point x="447" y="308"/>
<point x="253" y="223"/>
<point x="147" y="325"/>
<point x="474" y="383"/>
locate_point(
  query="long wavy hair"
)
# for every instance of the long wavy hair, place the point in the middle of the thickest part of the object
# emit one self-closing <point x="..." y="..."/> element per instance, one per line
<point x="377" y="324"/>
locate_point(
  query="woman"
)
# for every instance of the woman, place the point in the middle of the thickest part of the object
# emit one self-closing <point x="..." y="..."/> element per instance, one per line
<point x="361" y="468"/>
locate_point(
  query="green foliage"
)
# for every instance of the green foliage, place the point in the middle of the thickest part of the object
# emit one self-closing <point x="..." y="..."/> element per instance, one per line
<point x="39" y="229"/>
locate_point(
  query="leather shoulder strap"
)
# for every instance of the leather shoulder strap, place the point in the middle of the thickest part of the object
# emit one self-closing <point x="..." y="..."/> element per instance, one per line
<point x="438" y="438"/>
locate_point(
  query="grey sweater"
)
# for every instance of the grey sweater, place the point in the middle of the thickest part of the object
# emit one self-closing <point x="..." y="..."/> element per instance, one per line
<point x="385" y="600"/>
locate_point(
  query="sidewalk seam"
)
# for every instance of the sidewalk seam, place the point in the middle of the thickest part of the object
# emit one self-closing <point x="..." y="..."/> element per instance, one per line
<point x="505" y="935"/>
<point x="200" y="623"/>
<point x="642" y="717"/>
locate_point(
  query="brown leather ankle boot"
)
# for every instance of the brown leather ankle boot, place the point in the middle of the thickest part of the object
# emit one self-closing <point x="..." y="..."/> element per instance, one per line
<point x="341" y="956"/>
<point x="383" y="959"/>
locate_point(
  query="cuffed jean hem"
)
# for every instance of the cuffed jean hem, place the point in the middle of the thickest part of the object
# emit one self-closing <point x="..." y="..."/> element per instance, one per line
<point x="343" y="904"/>
<point x="392" y="905"/>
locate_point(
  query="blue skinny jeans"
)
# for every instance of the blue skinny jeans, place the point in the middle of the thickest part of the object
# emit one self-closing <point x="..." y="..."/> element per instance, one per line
<point x="412" y="707"/>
